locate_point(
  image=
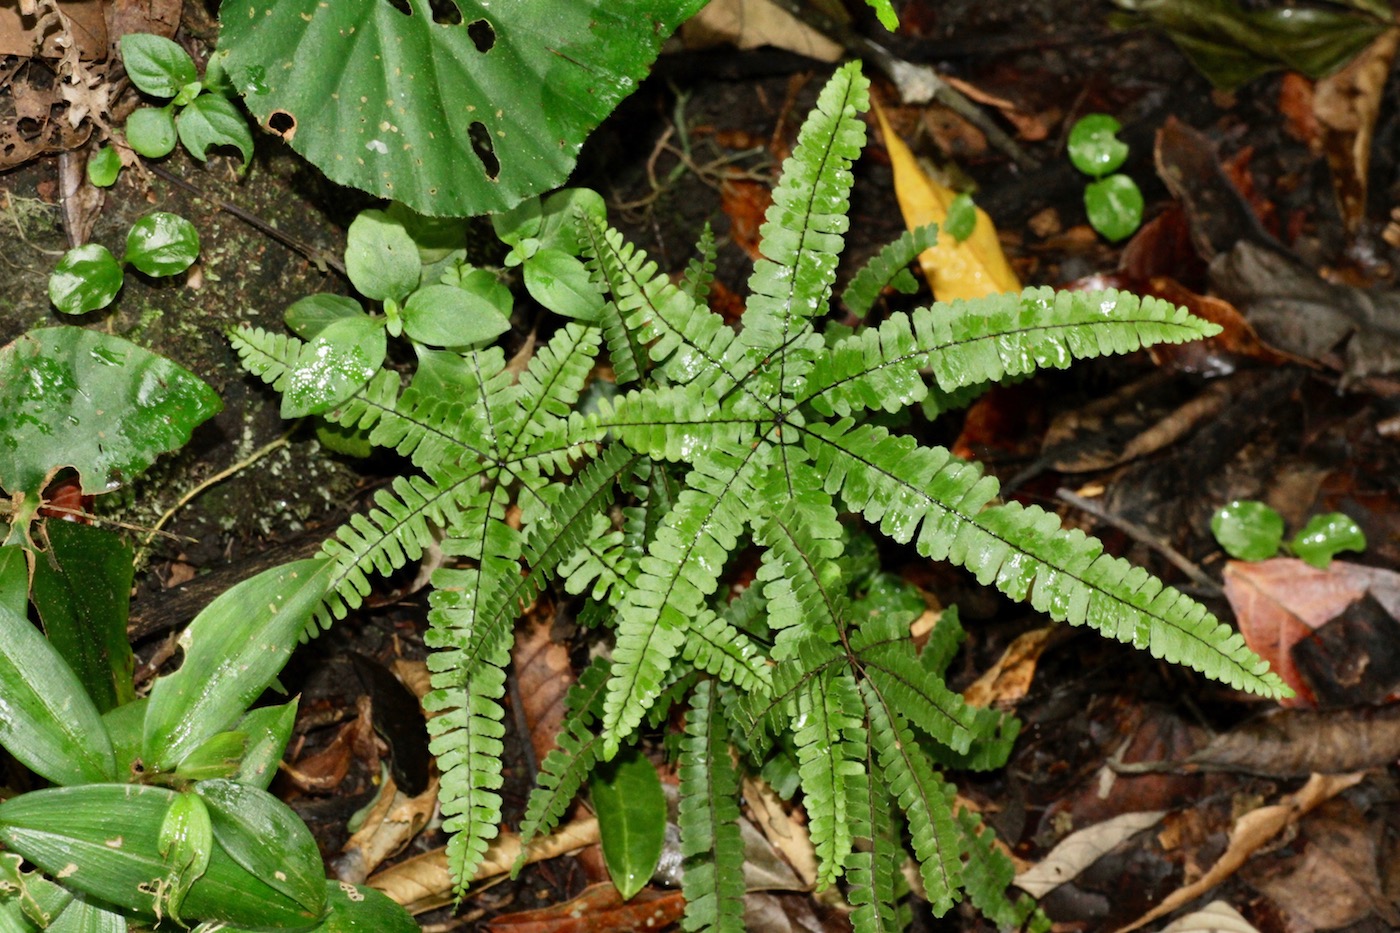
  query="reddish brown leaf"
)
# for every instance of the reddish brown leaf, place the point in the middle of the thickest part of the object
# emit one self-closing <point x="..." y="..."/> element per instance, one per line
<point x="1295" y="103"/>
<point x="745" y="203"/>
<point x="543" y="672"/>
<point x="598" y="909"/>
<point x="1298" y="742"/>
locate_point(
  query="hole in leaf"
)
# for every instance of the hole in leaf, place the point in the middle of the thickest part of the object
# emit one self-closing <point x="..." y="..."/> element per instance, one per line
<point x="282" y="124"/>
<point x="402" y="6"/>
<point x="445" y="12"/>
<point x="485" y="150"/>
<point x="483" y="34"/>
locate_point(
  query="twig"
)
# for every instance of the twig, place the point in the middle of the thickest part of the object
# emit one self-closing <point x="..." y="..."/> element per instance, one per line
<point x="323" y="258"/>
<point x="218" y="477"/>
<point x="1143" y="536"/>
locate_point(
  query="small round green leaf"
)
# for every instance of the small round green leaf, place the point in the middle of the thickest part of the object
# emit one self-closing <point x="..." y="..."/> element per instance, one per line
<point x="87" y="278"/>
<point x="520" y="222"/>
<point x="446" y="316"/>
<point x="381" y="258"/>
<point x="162" y="244"/>
<point x="212" y="120"/>
<point x="1247" y="529"/>
<point x="561" y="283"/>
<point x="310" y="315"/>
<point x="1326" y="535"/>
<point x="1114" y="205"/>
<point x="104" y="167"/>
<point x="560" y="214"/>
<point x="962" y="218"/>
<point x="156" y="65"/>
<point x="341" y="359"/>
<point x="1094" y="147"/>
<point x="631" y="808"/>
<point x="151" y="131"/>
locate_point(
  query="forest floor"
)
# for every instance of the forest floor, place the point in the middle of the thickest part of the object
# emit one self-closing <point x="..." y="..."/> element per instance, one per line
<point x="1297" y="404"/>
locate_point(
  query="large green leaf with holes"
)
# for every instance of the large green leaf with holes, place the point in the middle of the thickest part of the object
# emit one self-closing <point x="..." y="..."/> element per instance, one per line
<point x="452" y="110"/>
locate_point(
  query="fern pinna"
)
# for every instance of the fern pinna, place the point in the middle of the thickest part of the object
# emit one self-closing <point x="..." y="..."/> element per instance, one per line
<point x="714" y="440"/>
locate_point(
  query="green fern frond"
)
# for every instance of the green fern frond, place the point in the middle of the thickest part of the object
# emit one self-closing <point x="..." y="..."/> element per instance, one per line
<point x="921" y="697"/>
<point x="988" y="872"/>
<point x="884" y="266"/>
<point x="829" y="729"/>
<point x="988" y="340"/>
<point x="871" y="871"/>
<point x="549" y="387"/>
<point x="268" y="356"/>
<point x="600" y="566"/>
<point x="561" y="774"/>
<point x="993" y="737"/>
<point x="671" y="424"/>
<point x="680" y="571"/>
<point x="761" y="717"/>
<point x="924" y="797"/>
<point x="466" y="741"/>
<point x="801" y="579"/>
<point x="686" y="340"/>
<point x="699" y="273"/>
<point x="909" y="489"/>
<point x="713" y="880"/>
<point x="804" y="227"/>
<point x="362" y="411"/>
<point x="716" y="647"/>
<point x="395" y="531"/>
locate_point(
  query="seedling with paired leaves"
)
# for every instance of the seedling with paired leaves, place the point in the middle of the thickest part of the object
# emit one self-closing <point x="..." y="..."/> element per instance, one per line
<point x="715" y="442"/>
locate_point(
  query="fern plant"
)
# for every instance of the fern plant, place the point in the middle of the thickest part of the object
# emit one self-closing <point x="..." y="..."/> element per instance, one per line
<point x="713" y="441"/>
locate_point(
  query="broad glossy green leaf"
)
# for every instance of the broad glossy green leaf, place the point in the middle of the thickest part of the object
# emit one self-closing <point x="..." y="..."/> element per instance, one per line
<point x="1230" y="45"/>
<point x="352" y="908"/>
<point x="311" y="315"/>
<point x="186" y="842"/>
<point x="87" y="278"/>
<point x="1114" y="205"/>
<point x="562" y="284"/>
<point x="436" y="237"/>
<point x="217" y="757"/>
<point x="631" y="808"/>
<point x="104" y="167"/>
<point x="337" y="362"/>
<point x="560" y="214"/>
<point x="162" y="244"/>
<point x="104" y="839"/>
<point x="93" y="402"/>
<point x="271" y="842"/>
<point x="82" y="589"/>
<point x="156" y="65"/>
<point x="151" y="131"/>
<point x="234" y="649"/>
<point x="1326" y="535"/>
<point x="47" y="720"/>
<point x="125" y="725"/>
<point x="381" y="258"/>
<point x="213" y="120"/>
<point x="1094" y="146"/>
<point x="14" y="580"/>
<point x="268" y="730"/>
<point x="85" y="916"/>
<point x="1247" y="529"/>
<point x="448" y="316"/>
<point x="455" y="119"/>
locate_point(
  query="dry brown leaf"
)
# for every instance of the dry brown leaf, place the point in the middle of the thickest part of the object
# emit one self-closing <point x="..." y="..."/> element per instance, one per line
<point x="1281" y="601"/>
<point x="21" y="35"/>
<point x="1079" y="850"/>
<point x="544" y="675"/>
<point x="1345" y="105"/>
<point x="1295" y="742"/>
<point x="1252" y="831"/>
<point x="970" y="269"/>
<point x="1006" y="682"/>
<point x="598" y="909"/>
<point x="748" y="24"/>
<point x="788" y="837"/>
<point x="391" y="824"/>
<point x="424" y="882"/>
<point x="1215" y="917"/>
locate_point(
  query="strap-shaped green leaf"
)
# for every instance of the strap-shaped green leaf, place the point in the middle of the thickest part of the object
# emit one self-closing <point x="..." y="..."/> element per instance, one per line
<point x="631" y="808"/>
<point x="50" y="725"/>
<point x="458" y="116"/>
<point x="233" y="649"/>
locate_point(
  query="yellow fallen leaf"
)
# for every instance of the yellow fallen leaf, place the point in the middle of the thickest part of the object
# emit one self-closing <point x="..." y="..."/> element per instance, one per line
<point x="970" y="269"/>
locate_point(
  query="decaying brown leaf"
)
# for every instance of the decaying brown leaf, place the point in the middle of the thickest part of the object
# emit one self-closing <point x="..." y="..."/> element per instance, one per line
<point x="1079" y="850"/>
<point x="1295" y="742"/>
<point x="748" y="24"/>
<point x="391" y="824"/>
<point x="1007" y="681"/>
<point x="599" y="909"/>
<point x="1345" y="105"/>
<point x="1252" y="831"/>
<point x="543" y="675"/>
